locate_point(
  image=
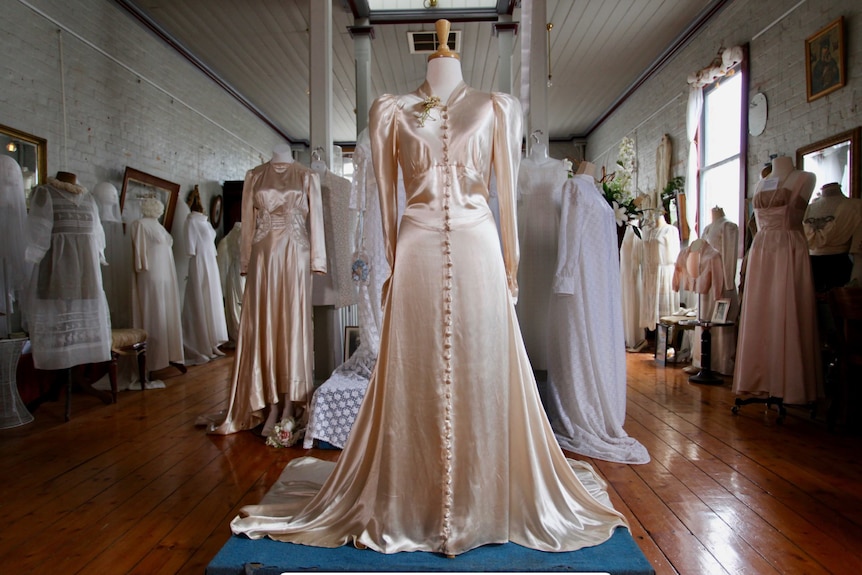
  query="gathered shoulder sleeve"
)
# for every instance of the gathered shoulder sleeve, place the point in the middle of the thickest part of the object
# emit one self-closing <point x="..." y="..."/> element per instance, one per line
<point x="139" y="246"/>
<point x="311" y="182"/>
<point x="679" y="271"/>
<point x="506" y="157"/>
<point x="248" y="220"/>
<point x="191" y="244"/>
<point x="40" y="224"/>
<point x="382" y="129"/>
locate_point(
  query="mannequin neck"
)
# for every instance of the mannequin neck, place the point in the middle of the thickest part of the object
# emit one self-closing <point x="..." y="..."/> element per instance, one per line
<point x="717" y="214"/>
<point x="443" y="76"/>
<point x="538" y="152"/>
<point x="282" y="154"/>
<point x="67" y="177"/>
<point x="587" y="168"/>
<point x="782" y="166"/>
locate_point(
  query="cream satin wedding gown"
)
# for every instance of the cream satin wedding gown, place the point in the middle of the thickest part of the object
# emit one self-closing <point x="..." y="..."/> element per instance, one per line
<point x="451" y="448"/>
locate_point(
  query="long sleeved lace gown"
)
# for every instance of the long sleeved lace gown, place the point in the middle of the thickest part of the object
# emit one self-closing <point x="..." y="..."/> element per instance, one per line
<point x="451" y="448"/>
<point x="282" y="244"/>
<point x="587" y="375"/>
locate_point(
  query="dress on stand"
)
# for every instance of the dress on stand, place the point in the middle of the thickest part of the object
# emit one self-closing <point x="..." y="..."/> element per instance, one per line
<point x="66" y="308"/>
<point x="156" y="293"/>
<point x="661" y="250"/>
<point x="723" y="235"/>
<point x="232" y="280"/>
<point x="587" y="375"/>
<point x="282" y="244"/>
<point x="540" y="185"/>
<point x="204" y="325"/>
<point x="631" y="261"/>
<point x="778" y="350"/>
<point x="13" y="219"/>
<point x="451" y="448"/>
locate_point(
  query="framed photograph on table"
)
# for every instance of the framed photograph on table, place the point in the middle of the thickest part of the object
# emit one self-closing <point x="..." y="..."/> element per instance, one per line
<point x="824" y="60"/>
<point x="720" y="311"/>
<point x="351" y="340"/>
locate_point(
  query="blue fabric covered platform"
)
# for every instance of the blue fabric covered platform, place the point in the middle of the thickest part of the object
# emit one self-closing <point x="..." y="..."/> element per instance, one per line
<point x="619" y="555"/>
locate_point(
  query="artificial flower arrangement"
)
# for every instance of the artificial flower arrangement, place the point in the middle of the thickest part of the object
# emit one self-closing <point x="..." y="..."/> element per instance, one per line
<point x="428" y="104"/>
<point x="616" y="188"/>
<point x="285" y="433"/>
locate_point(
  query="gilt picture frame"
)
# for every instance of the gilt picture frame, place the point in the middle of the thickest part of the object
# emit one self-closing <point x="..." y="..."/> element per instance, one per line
<point x="824" y="60"/>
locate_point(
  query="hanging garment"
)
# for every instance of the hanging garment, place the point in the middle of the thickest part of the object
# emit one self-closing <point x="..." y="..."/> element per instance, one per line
<point x="282" y="245"/>
<point x="204" y="325"/>
<point x="661" y="249"/>
<point x="156" y="293"/>
<point x="232" y="280"/>
<point x="336" y="288"/>
<point x="13" y="218"/>
<point x="66" y="309"/>
<point x="631" y="261"/>
<point x="451" y="448"/>
<point x="778" y="350"/>
<point x="587" y="375"/>
<point x="540" y="185"/>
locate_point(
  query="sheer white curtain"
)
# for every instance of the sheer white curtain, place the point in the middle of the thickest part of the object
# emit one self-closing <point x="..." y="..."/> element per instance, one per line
<point x="692" y="122"/>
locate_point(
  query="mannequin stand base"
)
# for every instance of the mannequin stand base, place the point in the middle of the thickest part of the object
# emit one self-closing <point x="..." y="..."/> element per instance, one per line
<point x="705" y="377"/>
<point x="768" y="401"/>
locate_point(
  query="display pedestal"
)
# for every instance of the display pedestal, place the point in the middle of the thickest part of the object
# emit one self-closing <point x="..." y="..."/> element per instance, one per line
<point x="13" y="412"/>
<point x="706" y="376"/>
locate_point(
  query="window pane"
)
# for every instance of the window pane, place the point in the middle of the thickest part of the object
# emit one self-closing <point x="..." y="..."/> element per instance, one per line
<point x="720" y="187"/>
<point x="722" y="113"/>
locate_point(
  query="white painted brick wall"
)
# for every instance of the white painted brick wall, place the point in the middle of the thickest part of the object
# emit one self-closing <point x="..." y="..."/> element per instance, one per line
<point x="130" y="101"/>
<point x="777" y="68"/>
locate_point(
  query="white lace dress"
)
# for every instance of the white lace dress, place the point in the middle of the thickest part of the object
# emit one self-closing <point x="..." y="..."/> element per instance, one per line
<point x="587" y="375"/>
<point x="540" y="184"/>
<point x="66" y="308"/>
<point x="204" y="325"/>
<point x="661" y="250"/>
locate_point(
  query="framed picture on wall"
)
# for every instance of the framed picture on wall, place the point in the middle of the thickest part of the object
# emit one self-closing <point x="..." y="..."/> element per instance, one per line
<point x="720" y="310"/>
<point x="824" y="60"/>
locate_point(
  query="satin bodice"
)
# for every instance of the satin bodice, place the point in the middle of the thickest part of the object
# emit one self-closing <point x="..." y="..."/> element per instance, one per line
<point x="446" y="161"/>
<point x="779" y="209"/>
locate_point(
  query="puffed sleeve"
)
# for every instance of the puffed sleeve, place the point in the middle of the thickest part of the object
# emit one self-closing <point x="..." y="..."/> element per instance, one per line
<point x="139" y="246"/>
<point x="311" y="181"/>
<point x="249" y="220"/>
<point x="382" y="129"/>
<point x="191" y="244"/>
<point x="506" y="158"/>
<point x="679" y="271"/>
<point x="40" y="223"/>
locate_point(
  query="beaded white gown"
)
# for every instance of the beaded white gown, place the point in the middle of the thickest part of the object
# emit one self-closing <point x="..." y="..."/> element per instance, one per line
<point x="451" y="448"/>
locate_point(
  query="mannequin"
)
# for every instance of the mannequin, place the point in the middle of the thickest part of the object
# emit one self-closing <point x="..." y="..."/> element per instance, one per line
<point x="452" y="370"/>
<point x="204" y="324"/>
<point x="778" y="351"/>
<point x="833" y="229"/>
<point x="540" y="185"/>
<point x="282" y="245"/>
<point x="155" y="290"/>
<point x="723" y="235"/>
<point x="661" y="250"/>
<point x="587" y="168"/>
<point x="65" y="244"/>
<point x="586" y="398"/>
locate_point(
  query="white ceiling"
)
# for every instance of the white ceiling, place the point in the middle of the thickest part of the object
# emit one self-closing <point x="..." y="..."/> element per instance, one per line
<point x="258" y="49"/>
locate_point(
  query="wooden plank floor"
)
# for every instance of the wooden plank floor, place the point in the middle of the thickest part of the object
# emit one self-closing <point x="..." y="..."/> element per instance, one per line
<point x="136" y="488"/>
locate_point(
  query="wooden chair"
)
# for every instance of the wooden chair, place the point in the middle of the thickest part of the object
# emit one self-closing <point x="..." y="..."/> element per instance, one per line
<point x="846" y="306"/>
<point x="128" y="342"/>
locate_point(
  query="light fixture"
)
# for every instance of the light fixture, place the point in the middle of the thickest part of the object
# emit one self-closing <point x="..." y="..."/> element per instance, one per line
<point x="550" y="26"/>
<point x="11" y="147"/>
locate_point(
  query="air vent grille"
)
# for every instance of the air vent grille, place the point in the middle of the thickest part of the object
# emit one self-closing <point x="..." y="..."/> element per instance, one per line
<point x="426" y="42"/>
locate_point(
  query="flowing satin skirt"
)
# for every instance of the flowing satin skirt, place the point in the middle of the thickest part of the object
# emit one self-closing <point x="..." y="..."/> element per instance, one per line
<point x="451" y="448"/>
<point x="274" y="349"/>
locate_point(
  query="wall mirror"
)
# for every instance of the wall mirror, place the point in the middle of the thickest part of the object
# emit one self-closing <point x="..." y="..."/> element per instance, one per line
<point x="31" y="153"/>
<point x="834" y="159"/>
<point x="138" y="185"/>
